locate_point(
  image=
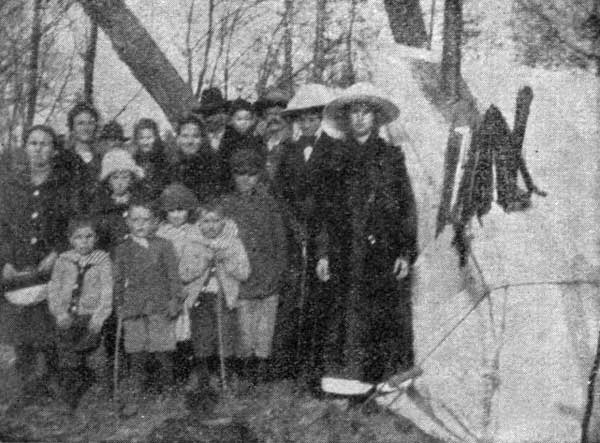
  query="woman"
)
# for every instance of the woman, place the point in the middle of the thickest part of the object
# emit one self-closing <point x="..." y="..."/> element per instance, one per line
<point x="368" y="207"/>
<point x="34" y="212"/>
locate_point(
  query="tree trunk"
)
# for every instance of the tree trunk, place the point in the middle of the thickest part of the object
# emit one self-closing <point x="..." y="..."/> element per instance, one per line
<point x="153" y="70"/>
<point x="406" y="22"/>
<point x="207" y="47"/>
<point x="348" y="75"/>
<point x="287" y="77"/>
<point x="36" y="37"/>
<point x="451" y="50"/>
<point x="89" y="63"/>
<point x="319" y="51"/>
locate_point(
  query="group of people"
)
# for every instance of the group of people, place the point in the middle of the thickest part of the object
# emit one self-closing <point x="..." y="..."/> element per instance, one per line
<point x="277" y="235"/>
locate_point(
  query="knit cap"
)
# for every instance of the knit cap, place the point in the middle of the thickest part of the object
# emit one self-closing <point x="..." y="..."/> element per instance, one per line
<point x="119" y="160"/>
<point x="177" y="196"/>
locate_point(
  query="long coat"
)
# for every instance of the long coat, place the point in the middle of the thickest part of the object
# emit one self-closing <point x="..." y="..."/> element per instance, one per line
<point x="367" y="205"/>
<point x="33" y="221"/>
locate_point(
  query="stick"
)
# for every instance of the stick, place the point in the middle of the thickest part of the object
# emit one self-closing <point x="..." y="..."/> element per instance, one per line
<point x="116" y="358"/>
<point x="302" y="302"/>
<point x="220" y="335"/>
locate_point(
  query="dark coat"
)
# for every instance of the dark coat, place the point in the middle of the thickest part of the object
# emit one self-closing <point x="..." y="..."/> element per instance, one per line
<point x="203" y="173"/>
<point x="368" y="207"/>
<point x="156" y="169"/>
<point x="111" y="219"/>
<point x="146" y="280"/>
<point x="33" y="221"/>
<point x="82" y="179"/>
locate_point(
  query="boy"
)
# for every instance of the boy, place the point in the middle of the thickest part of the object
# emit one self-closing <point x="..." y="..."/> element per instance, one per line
<point x="80" y="299"/>
<point x="148" y="294"/>
<point x="262" y="232"/>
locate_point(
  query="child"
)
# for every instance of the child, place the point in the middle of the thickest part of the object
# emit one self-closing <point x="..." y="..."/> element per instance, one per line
<point x="262" y="232"/>
<point x="178" y="202"/>
<point x="80" y="299"/>
<point x="148" y="294"/>
<point x="120" y="180"/>
<point x="213" y="264"/>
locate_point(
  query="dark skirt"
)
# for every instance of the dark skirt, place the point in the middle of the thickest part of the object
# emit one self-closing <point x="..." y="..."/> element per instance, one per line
<point x="205" y="338"/>
<point x="31" y="326"/>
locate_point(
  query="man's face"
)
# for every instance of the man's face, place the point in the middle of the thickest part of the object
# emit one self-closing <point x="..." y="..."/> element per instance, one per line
<point x="39" y="149"/>
<point x="84" y="127"/>
<point x="361" y="119"/>
<point x="141" y="221"/>
<point x="189" y="139"/>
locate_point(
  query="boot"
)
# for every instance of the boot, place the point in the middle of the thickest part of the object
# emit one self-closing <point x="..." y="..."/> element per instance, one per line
<point x="200" y="397"/>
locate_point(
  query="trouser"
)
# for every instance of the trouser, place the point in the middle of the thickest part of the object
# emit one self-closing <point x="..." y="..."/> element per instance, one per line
<point x="146" y="367"/>
<point x="26" y="365"/>
<point x="109" y="334"/>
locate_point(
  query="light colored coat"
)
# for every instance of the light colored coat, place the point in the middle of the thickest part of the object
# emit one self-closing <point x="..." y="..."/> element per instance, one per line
<point x="96" y="291"/>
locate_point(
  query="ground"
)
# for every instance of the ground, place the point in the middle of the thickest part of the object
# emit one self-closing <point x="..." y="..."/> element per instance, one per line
<point x="274" y="412"/>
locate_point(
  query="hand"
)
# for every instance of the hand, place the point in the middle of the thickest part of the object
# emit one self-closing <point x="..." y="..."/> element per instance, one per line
<point x="64" y="322"/>
<point x="401" y="268"/>
<point x="9" y="272"/>
<point x="323" y="270"/>
<point x="47" y="263"/>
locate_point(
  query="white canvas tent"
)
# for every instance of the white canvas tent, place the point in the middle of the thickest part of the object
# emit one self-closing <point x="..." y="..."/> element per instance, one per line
<point x="517" y="369"/>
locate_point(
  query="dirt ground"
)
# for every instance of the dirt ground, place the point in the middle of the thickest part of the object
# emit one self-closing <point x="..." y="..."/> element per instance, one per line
<point x="276" y="412"/>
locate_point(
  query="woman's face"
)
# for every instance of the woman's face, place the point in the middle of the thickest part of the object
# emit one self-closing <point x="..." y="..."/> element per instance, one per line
<point x="178" y="217"/>
<point x="83" y="240"/>
<point x="189" y="139"/>
<point x="39" y="149"/>
<point x="120" y="182"/>
<point x="309" y="123"/>
<point x="361" y="119"/>
<point x="145" y="140"/>
<point x="211" y="223"/>
<point x="84" y="127"/>
<point x="242" y="120"/>
<point x="245" y="183"/>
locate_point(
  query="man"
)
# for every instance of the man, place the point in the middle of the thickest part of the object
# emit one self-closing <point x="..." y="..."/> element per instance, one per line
<point x="368" y="208"/>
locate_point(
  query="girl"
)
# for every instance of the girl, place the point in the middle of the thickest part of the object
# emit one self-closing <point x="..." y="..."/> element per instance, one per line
<point x="148" y="152"/>
<point x="80" y="299"/>
<point x="212" y="265"/>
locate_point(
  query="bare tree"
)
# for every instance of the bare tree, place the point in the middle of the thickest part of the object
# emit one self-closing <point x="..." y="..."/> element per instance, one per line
<point x="207" y="46"/>
<point x="287" y="77"/>
<point x="406" y="22"/>
<point x="451" y="50"/>
<point x="33" y="83"/>
<point x="348" y="75"/>
<point x="319" y="53"/>
<point x="89" y="62"/>
<point x="189" y="53"/>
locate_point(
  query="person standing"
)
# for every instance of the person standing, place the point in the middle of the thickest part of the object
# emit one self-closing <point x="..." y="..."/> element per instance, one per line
<point x="35" y="208"/>
<point x="369" y="211"/>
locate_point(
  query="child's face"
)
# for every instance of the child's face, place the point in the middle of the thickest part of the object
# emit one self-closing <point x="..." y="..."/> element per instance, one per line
<point x="120" y="182"/>
<point x="211" y="223"/>
<point x="141" y="221"/>
<point x="245" y="183"/>
<point x="178" y="217"/>
<point x="145" y="140"/>
<point x="83" y="240"/>
<point x="242" y="120"/>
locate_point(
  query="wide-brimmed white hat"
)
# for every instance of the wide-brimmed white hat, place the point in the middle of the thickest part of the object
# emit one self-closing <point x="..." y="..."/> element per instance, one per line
<point x="311" y="96"/>
<point x="366" y="93"/>
<point x="119" y="160"/>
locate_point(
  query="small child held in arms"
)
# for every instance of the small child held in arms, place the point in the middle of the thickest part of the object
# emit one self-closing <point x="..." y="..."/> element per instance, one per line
<point x="178" y="204"/>
<point x="213" y="264"/>
<point x="148" y="295"/>
<point x="259" y="219"/>
<point x="80" y="298"/>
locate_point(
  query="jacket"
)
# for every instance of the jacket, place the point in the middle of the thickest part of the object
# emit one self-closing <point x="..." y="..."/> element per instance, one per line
<point x="260" y="223"/>
<point x="146" y="279"/>
<point x="229" y="256"/>
<point x="95" y="293"/>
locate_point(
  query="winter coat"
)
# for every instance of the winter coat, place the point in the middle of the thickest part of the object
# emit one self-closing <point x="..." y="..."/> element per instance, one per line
<point x="179" y="237"/>
<point x="259" y="220"/>
<point x="234" y="141"/>
<point x="202" y="173"/>
<point x="33" y="221"/>
<point x="81" y="179"/>
<point x="146" y="279"/>
<point x="156" y="169"/>
<point x="111" y="219"/>
<point x="95" y="297"/>
<point x="229" y="256"/>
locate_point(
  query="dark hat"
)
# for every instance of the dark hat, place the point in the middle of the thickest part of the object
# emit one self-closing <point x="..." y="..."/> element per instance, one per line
<point x="211" y="102"/>
<point x="112" y="131"/>
<point x="240" y="104"/>
<point x="177" y="196"/>
<point x="246" y="161"/>
<point x="271" y="98"/>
